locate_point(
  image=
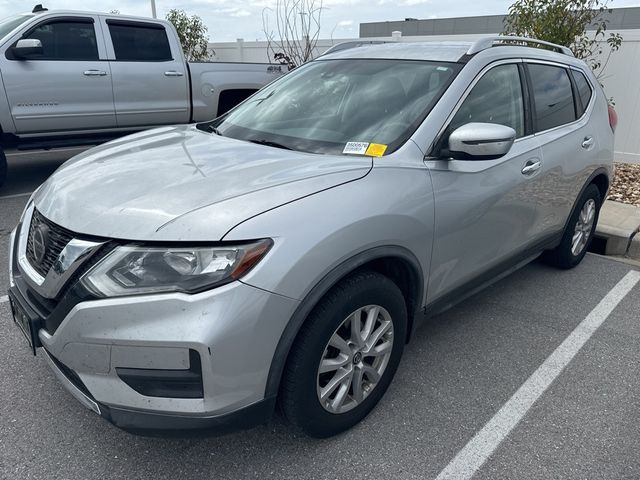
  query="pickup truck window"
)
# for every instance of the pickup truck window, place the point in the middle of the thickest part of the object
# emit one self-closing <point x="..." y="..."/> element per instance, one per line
<point x="322" y="106"/>
<point x="140" y="42"/>
<point x="66" y="40"/>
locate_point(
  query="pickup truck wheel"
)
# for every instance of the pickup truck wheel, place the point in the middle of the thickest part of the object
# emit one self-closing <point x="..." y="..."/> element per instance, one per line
<point x="345" y="356"/>
<point x="579" y="232"/>
<point x="3" y="167"/>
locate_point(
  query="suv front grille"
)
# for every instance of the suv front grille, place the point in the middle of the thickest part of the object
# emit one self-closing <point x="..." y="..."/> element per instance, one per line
<point x="56" y="238"/>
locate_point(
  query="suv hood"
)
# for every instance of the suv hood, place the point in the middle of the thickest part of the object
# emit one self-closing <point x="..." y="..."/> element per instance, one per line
<point x="143" y="186"/>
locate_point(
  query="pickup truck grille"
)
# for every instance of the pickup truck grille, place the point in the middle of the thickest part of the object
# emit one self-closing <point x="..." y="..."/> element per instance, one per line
<point x="45" y="242"/>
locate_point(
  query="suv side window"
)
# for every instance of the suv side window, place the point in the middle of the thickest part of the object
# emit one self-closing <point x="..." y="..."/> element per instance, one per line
<point x="552" y="95"/>
<point x="66" y="40"/>
<point x="496" y="98"/>
<point x="584" y="90"/>
<point x="139" y="42"/>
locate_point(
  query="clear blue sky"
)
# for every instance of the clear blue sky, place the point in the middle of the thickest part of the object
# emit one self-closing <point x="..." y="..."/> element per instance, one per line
<point x="231" y="19"/>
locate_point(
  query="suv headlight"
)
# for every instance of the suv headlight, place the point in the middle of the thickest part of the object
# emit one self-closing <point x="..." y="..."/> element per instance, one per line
<point x="136" y="270"/>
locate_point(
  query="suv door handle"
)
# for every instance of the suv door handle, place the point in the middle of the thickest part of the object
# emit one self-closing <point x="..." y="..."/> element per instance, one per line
<point x="95" y="73"/>
<point x="531" y="167"/>
<point x="173" y="73"/>
<point x="587" y="143"/>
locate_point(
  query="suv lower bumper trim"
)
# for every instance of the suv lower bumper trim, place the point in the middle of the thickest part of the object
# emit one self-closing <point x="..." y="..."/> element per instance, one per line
<point x="166" y="424"/>
<point x="162" y="425"/>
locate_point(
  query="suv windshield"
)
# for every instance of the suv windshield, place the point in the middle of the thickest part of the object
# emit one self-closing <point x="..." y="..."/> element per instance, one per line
<point x="8" y="24"/>
<point x="326" y="104"/>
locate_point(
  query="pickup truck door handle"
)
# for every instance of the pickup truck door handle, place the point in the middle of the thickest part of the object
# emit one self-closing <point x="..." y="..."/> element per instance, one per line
<point x="95" y="73"/>
<point x="587" y="143"/>
<point x="531" y="167"/>
<point x="173" y="73"/>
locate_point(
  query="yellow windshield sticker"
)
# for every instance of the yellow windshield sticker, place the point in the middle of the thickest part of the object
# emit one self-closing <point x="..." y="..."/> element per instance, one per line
<point x="376" y="150"/>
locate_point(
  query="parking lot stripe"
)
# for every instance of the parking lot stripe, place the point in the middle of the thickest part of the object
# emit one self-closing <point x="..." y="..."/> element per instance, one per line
<point x="16" y="195"/>
<point x="4" y="299"/>
<point x="475" y="453"/>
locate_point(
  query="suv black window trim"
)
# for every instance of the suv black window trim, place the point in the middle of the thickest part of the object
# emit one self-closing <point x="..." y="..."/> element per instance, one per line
<point x="51" y="21"/>
<point x="529" y="117"/>
<point x="578" y="110"/>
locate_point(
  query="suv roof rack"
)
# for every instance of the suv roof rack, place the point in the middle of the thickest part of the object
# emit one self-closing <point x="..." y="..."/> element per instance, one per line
<point x="501" y="40"/>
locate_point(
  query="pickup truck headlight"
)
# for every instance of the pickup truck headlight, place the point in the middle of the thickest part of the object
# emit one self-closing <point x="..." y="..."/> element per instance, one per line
<point x="137" y="270"/>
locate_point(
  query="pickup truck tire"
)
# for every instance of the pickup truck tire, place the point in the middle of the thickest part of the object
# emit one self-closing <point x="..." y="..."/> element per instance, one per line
<point x="338" y="369"/>
<point x="579" y="232"/>
<point x="3" y="167"/>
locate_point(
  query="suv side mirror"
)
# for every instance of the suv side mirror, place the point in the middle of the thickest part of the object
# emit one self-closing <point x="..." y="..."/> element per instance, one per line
<point x="27" y="48"/>
<point x="481" y="141"/>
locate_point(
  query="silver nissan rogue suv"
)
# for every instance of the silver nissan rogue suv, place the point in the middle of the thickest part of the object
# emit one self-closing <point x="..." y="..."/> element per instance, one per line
<point x="194" y="277"/>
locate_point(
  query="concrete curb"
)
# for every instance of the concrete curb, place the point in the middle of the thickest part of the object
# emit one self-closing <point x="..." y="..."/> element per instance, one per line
<point x="618" y="226"/>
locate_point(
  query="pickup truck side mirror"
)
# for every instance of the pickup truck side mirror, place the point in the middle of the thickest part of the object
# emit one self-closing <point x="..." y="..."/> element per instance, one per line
<point x="481" y="141"/>
<point x="27" y="48"/>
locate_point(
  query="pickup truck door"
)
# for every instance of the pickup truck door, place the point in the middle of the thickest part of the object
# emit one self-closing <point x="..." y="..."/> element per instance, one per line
<point x="486" y="210"/>
<point x="68" y="87"/>
<point x="150" y="77"/>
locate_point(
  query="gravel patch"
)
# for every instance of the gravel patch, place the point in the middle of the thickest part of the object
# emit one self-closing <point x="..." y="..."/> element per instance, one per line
<point x="626" y="184"/>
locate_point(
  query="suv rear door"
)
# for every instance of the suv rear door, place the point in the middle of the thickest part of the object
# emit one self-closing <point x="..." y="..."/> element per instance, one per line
<point x="69" y="86"/>
<point x="150" y="81"/>
<point x="485" y="210"/>
<point x="561" y="106"/>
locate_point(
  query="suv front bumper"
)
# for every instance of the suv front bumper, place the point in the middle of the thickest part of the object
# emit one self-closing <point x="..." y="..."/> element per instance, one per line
<point x="234" y="329"/>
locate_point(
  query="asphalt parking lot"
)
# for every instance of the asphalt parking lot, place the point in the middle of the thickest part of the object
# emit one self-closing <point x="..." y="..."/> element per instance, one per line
<point x="458" y="377"/>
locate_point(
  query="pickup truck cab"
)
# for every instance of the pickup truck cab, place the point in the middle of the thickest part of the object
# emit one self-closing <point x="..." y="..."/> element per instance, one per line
<point x="74" y="78"/>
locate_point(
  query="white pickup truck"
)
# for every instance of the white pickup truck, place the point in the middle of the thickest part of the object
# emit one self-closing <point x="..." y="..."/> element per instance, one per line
<point x="77" y="78"/>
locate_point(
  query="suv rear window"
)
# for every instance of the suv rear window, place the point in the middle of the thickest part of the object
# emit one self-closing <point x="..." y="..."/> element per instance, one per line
<point x="553" y="96"/>
<point x="584" y="90"/>
<point x="140" y="42"/>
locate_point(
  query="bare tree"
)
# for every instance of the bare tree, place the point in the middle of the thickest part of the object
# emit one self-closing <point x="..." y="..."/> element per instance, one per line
<point x="292" y="40"/>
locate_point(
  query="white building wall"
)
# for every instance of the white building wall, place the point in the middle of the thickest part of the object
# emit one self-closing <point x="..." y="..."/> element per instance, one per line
<point x="257" y="52"/>
<point x="621" y="78"/>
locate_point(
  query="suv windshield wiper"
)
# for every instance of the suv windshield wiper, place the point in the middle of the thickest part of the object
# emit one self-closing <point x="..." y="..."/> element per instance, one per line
<point x="213" y="129"/>
<point x="269" y="143"/>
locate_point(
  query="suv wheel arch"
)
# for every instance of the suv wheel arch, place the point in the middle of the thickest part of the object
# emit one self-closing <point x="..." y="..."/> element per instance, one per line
<point x="392" y="261"/>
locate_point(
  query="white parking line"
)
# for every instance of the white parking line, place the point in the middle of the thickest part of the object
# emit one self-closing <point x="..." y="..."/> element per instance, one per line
<point x="4" y="299"/>
<point x="16" y="195"/>
<point x="475" y="453"/>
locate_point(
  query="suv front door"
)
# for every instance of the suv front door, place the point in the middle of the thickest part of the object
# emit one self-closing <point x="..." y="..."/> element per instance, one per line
<point x="485" y="210"/>
<point x="68" y="87"/>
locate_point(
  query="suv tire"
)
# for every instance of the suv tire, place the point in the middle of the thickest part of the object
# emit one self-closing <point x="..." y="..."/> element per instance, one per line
<point x="579" y="232"/>
<point x="327" y="340"/>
